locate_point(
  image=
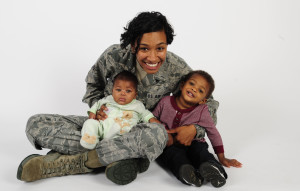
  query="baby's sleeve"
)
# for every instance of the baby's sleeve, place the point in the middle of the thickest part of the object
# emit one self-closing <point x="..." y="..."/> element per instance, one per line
<point x="144" y="114"/>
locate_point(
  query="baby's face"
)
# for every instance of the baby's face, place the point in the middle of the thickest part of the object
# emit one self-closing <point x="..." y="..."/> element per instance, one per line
<point x="194" y="90"/>
<point x="124" y="92"/>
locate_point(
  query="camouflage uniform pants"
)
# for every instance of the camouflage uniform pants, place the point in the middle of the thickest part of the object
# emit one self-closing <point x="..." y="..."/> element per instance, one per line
<point x="62" y="134"/>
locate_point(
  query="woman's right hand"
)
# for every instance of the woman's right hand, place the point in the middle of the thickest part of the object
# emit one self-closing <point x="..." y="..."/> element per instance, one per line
<point x="101" y="115"/>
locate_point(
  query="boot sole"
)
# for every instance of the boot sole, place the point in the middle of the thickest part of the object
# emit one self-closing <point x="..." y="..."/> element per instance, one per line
<point x="20" y="168"/>
<point x="122" y="172"/>
<point x="143" y="164"/>
<point x="187" y="176"/>
<point x="212" y="174"/>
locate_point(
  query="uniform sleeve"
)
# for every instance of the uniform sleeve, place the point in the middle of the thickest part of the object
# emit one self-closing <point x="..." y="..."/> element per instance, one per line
<point x="212" y="108"/>
<point x="211" y="130"/>
<point x="158" y="109"/>
<point x="177" y="68"/>
<point x="96" y="78"/>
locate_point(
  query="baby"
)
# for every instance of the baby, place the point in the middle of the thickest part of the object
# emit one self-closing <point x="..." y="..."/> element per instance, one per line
<point x="123" y="112"/>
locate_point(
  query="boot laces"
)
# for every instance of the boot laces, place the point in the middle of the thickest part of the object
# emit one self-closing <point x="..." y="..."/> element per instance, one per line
<point x="64" y="165"/>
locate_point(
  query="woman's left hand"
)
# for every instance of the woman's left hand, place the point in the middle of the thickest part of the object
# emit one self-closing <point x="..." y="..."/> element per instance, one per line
<point x="185" y="134"/>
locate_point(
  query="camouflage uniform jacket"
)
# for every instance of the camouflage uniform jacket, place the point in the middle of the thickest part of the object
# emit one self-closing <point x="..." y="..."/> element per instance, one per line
<point x="150" y="89"/>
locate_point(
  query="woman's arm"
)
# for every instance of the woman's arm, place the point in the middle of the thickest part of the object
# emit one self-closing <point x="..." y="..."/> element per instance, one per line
<point x="96" y="79"/>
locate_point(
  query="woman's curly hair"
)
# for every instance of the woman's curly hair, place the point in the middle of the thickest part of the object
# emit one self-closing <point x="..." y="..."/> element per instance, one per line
<point x="146" y="22"/>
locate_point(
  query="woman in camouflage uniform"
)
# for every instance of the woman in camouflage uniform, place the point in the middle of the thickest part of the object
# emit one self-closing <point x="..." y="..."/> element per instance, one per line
<point x="143" y="51"/>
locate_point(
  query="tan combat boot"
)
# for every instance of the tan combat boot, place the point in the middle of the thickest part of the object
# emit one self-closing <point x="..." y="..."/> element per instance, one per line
<point x="36" y="167"/>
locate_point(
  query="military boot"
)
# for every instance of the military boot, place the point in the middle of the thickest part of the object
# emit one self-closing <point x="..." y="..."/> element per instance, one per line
<point x="125" y="171"/>
<point x="36" y="167"/>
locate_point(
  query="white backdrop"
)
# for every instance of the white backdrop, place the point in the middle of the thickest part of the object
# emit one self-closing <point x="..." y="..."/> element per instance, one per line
<point x="251" y="47"/>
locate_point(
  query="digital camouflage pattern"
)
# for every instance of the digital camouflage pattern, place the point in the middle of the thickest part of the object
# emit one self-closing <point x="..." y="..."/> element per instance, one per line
<point x="150" y="89"/>
<point x="62" y="133"/>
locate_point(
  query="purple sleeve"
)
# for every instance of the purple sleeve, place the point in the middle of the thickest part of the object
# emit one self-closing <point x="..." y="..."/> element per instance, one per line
<point x="213" y="134"/>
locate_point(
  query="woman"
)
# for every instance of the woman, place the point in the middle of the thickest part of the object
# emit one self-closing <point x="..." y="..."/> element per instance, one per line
<point x="143" y="51"/>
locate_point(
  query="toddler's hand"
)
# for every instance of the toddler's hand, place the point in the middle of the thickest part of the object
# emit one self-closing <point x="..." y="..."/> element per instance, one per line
<point x="170" y="140"/>
<point x="231" y="162"/>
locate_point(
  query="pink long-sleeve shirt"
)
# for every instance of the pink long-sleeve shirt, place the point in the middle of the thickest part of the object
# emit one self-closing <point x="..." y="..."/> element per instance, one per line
<point x="172" y="116"/>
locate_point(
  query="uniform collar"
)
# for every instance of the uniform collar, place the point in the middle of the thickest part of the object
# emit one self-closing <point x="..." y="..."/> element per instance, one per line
<point x="150" y="79"/>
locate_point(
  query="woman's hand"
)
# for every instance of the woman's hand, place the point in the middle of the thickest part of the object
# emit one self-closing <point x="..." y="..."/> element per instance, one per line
<point x="101" y="115"/>
<point x="92" y="115"/>
<point x="228" y="162"/>
<point x="185" y="134"/>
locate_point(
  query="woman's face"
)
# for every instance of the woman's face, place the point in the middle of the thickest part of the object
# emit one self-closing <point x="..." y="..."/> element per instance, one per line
<point x="152" y="51"/>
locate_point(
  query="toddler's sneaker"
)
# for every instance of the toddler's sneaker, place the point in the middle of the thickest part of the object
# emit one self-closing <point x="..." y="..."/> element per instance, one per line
<point x="211" y="173"/>
<point x="188" y="176"/>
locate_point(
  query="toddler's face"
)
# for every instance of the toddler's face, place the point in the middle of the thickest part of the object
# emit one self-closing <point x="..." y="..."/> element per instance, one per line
<point x="194" y="90"/>
<point x="124" y="92"/>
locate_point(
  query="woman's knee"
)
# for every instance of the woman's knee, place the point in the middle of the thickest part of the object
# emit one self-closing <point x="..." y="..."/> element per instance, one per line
<point x="156" y="134"/>
<point x="31" y="130"/>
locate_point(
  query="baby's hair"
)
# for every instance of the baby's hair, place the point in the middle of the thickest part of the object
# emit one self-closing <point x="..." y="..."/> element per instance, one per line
<point x="127" y="76"/>
<point x="146" y="22"/>
<point x="206" y="76"/>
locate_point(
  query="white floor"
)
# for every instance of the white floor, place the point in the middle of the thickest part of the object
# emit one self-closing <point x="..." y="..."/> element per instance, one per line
<point x="250" y="47"/>
<point x="270" y="163"/>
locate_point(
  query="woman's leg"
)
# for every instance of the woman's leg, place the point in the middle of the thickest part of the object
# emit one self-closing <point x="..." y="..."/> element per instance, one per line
<point x="145" y="140"/>
<point x="56" y="132"/>
<point x="144" y="143"/>
<point x="62" y="134"/>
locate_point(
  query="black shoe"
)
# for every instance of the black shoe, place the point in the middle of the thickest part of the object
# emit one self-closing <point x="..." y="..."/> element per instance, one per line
<point x="125" y="171"/>
<point x="143" y="164"/>
<point x="122" y="172"/>
<point x="188" y="176"/>
<point x="212" y="173"/>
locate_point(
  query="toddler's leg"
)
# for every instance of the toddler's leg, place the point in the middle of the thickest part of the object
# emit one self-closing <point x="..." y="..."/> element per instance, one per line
<point x="209" y="168"/>
<point x="90" y="133"/>
<point x="175" y="158"/>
